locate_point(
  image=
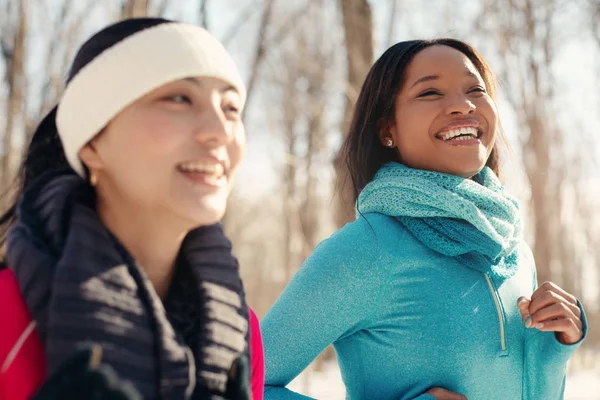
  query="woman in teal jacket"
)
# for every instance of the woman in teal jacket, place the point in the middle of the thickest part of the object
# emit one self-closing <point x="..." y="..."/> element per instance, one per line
<point x="431" y="293"/>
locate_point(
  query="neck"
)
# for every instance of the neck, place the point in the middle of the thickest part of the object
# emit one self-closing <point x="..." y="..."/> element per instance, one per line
<point x="148" y="236"/>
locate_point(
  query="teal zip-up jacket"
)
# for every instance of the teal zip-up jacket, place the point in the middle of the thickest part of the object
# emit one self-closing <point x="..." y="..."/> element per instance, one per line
<point x="403" y="319"/>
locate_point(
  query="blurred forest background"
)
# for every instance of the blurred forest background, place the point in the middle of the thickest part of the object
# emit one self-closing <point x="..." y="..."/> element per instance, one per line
<point x="304" y="62"/>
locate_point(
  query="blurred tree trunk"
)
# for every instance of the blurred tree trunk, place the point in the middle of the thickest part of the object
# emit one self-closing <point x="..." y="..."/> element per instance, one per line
<point x="13" y="45"/>
<point x="392" y="20"/>
<point x="134" y="8"/>
<point x="358" y="33"/>
<point x="61" y="43"/>
<point x="259" y="54"/>
<point x="290" y="210"/>
<point x="595" y="20"/>
<point x="317" y="130"/>
<point x="203" y="14"/>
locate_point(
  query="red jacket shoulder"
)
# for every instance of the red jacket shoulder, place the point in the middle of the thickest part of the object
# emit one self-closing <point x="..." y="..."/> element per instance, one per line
<point x="22" y="358"/>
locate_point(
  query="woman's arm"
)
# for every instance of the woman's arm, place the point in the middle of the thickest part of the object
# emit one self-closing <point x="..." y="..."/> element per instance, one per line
<point x="557" y="326"/>
<point x="336" y="293"/>
<point x="330" y="297"/>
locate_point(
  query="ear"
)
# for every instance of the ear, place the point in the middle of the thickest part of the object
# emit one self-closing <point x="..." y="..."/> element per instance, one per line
<point x="90" y="157"/>
<point x="385" y="133"/>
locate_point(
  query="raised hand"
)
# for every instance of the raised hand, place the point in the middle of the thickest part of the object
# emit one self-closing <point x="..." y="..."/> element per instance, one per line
<point x="551" y="309"/>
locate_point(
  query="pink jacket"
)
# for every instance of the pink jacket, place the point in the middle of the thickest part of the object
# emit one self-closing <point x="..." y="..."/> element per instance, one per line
<point x="22" y="358"/>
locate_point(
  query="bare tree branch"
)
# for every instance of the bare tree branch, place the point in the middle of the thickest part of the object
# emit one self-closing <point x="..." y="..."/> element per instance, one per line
<point x="203" y="14"/>
<point x="358" y="32"/>
<point x="245" y="15"/>
<point x="260" y="48"/>
<point x="134" y="8"/>
<point x="14" y="52"/>
<point x="391" y="22"/>
<point x="161" y="8"/>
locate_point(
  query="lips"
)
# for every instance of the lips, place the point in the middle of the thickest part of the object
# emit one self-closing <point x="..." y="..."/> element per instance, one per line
<point x="462" y="130"/>
<point x="461" y="134"/>
<point x="209" y="171"/>
<point x="209" y="168"/>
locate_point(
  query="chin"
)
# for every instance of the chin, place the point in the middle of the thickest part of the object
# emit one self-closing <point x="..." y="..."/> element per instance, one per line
<point x="202" y="214"/>
<point x="463" y="172"/>
<point x="209" y="217"/>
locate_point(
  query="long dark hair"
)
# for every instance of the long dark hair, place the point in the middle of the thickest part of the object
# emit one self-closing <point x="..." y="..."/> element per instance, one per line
<point x="45" y="151"/>
<point x="362" y="152"/>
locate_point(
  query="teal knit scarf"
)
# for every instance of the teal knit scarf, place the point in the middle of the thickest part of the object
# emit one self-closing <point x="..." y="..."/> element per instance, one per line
<point x="474" y="221"/>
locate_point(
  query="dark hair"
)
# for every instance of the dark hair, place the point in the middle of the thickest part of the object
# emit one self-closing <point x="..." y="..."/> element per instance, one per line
<point x="362" y="152"/>
<point x="45" y="151"/>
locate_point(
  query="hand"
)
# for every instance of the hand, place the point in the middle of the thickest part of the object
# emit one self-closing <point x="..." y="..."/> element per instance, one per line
<point x="238" y="385"/>
<point x="81" y="376"/>
<point x="443" y="394"/>
<point x="551" y="309"/>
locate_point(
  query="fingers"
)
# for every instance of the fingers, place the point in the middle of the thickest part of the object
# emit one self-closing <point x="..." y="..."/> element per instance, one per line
<point x="549" y="298"/>
<point x="565" y="325"/>
<point x="549" y="286"/>
<point x="556" y="311"/>
<point x="552" y="309"/>
<point x="523" y="306"/>
<point x="567" y="331"/>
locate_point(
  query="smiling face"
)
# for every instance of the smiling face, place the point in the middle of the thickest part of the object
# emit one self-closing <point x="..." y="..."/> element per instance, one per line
<point x="444" y="118"/>
<point x="175" y="151"/>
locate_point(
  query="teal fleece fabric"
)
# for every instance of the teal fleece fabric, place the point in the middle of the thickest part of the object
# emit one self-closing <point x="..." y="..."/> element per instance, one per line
<point x="404" y="317"/>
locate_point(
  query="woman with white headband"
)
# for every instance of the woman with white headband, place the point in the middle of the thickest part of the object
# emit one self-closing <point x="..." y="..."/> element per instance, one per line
<point x="118" y="280"/>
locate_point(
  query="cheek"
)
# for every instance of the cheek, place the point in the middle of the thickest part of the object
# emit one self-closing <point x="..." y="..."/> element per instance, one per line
<point x="153" y="140"/>
<point x="237" y="148"/>
<point x="140" y="150"/>
<point x="413" y="125"/>
<point x="490" y="113"/>
<point x="161" y="134"/>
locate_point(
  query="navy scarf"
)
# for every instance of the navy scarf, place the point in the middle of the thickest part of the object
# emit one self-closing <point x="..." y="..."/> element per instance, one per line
<point x="81" y="285"/>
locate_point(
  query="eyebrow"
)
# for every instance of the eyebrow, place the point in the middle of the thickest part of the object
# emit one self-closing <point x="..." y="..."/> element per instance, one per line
<point x="429" y="78"/>
<point x="228" y="88"/>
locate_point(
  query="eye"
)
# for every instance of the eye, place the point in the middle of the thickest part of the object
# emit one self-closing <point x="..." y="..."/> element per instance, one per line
<point x="479" y="89"/>
<point x="431" y="92"/>
<point x="231" y="110"/>
<point x="178" y="98"/>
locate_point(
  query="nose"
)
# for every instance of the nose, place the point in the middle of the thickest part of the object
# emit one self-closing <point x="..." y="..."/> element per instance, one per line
<point x="460" y="104"/>
<point x="213" y="127"/>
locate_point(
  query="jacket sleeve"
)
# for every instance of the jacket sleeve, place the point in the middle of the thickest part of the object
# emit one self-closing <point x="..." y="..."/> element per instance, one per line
<point x="22" y="357"/>
<point x="545" y="362"/>
<point x="331" y="296"/>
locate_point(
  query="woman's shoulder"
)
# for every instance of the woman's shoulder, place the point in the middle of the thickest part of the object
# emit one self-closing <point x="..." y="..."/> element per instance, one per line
<point x="356" y="236"/>
<point x="363" y="240"/>
<point x="370" y="229"/>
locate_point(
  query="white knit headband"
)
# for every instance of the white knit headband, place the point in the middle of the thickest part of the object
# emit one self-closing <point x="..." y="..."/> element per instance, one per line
<point x="130" y="69"/>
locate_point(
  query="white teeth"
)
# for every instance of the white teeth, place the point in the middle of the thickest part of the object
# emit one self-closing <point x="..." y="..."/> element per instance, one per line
<point x="208" y="168"/>
<point x="470" y="132"/>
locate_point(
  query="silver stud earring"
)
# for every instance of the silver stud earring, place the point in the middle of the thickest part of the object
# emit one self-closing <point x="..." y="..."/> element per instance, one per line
<point x="389" y="143"/>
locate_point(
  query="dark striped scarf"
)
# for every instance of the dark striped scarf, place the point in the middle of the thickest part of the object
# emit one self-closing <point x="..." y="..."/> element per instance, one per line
<point x="81" y="285"/>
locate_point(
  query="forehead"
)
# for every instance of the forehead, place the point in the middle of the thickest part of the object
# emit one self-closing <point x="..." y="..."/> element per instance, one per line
<point x="439" y="60"/>
<point x="211" y="83"/>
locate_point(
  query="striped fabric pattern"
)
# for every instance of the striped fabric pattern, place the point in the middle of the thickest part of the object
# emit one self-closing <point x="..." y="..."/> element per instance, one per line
<point x="81" y="285"/>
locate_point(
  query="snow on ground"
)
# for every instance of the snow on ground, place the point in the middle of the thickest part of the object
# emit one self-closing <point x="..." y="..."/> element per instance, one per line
<point x="583" y="385"/>
<point x="327" y="385"/>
